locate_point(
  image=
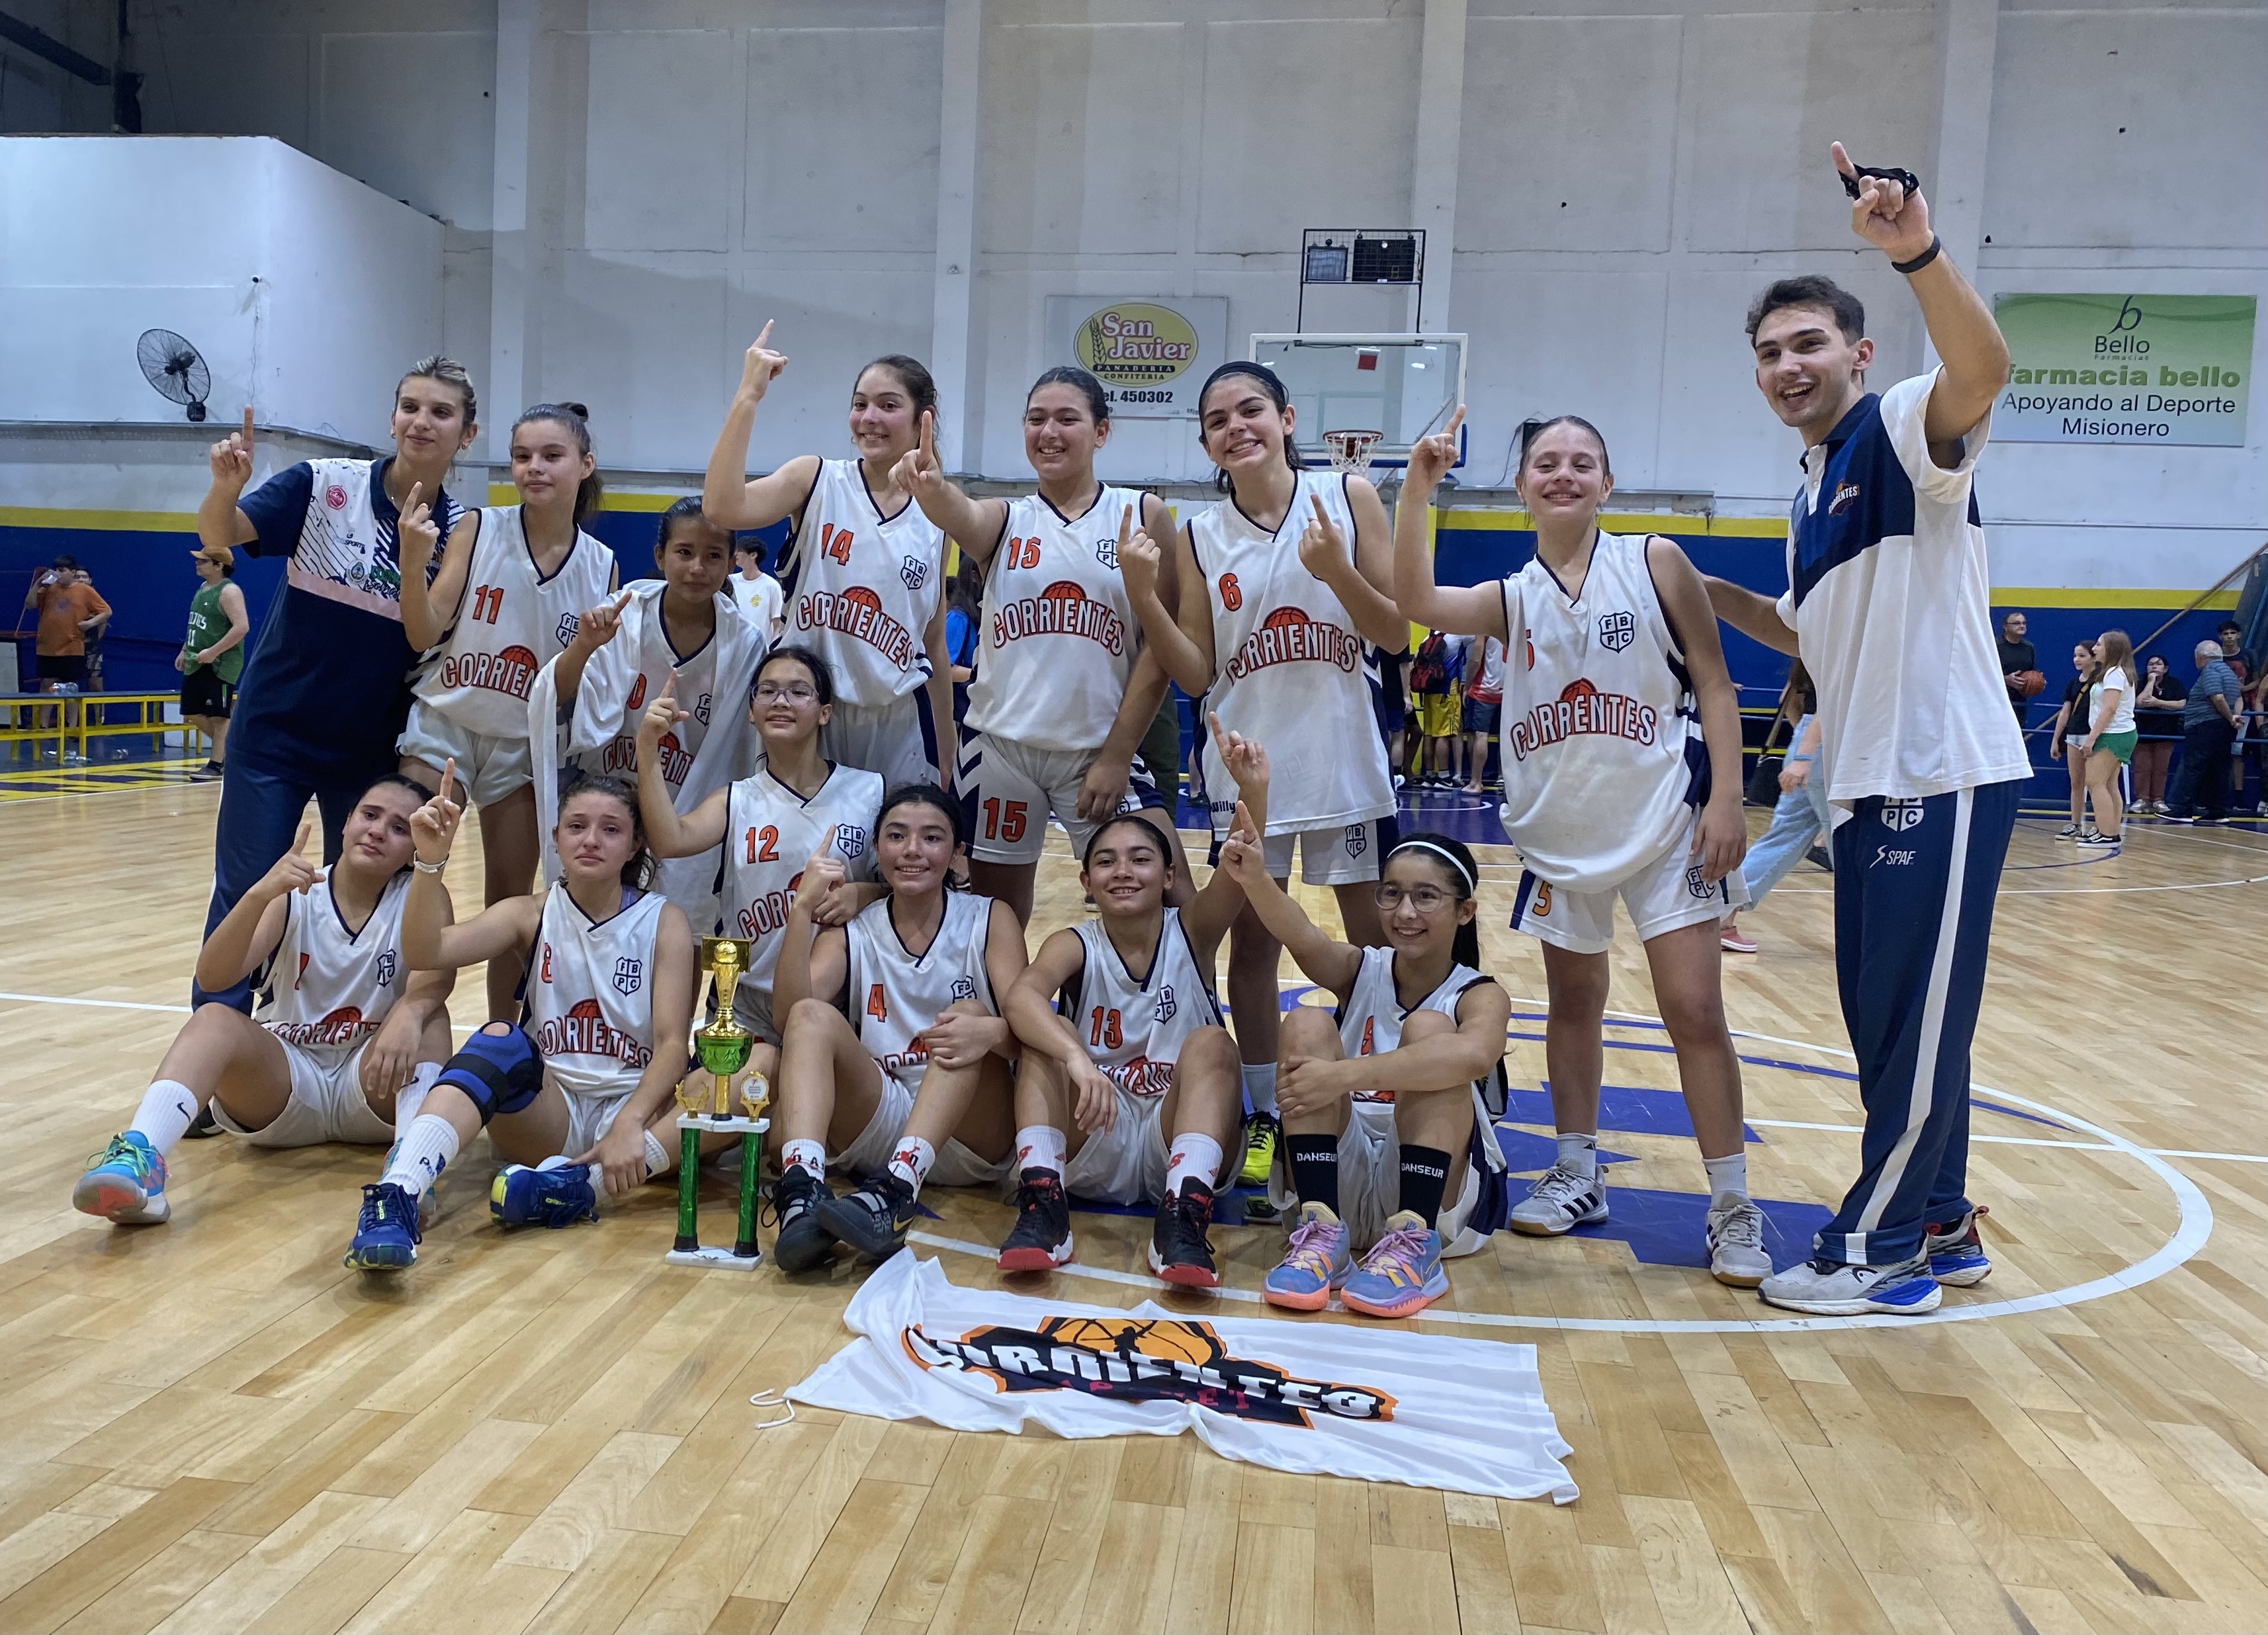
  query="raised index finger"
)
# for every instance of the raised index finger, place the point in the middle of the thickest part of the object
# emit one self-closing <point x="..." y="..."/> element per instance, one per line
<point x="928" y="444"/>
<point x="448" y="778"/>
<point x="248" y="425"/>
<point x="764" y="339"/>
<point x="1125" y="525"/>
<point x="1455" y="420"/>
<point x="1842" y="159"/>
<point x="307" y="828"/>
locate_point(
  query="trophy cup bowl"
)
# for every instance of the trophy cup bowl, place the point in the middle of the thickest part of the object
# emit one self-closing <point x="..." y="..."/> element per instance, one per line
<point x="723" y="1045"/>
<point x="722" y="1049"/>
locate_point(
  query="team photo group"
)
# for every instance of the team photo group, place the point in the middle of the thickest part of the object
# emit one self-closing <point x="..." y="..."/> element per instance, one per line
<point x="857" y="780"/>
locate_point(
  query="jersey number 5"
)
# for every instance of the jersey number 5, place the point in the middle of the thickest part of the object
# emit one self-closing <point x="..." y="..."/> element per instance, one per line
<point x="1103" y="1029"/>
<point x="488" y="601"/>
<point x="763" y="845"/>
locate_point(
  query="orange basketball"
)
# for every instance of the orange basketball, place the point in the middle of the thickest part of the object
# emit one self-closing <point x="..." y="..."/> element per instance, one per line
<point x="1167" y="1340"/>
<point x="2029" y="683"/>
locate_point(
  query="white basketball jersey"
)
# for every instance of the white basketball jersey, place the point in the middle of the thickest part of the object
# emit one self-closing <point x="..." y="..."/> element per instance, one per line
<point x="325" y="988"/>
<point x="1060" y="631"/>
<point x="1370" y="1021"/>
<point x="1133" y="1030"/>
<point x="1289" y="669"/>
<point x="1597" y="715"/>
<point x="861" y="587"/>
<point x="590" y="993"/>
<point x="771" y="832"/>
<point x="894" y="996"/>
<point x="696" y="695"/>
<point x="511" y="622"/>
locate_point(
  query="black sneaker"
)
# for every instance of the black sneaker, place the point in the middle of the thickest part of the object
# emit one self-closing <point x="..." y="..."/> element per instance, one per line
<point x="874" y="1220"/>
<point x="1041" y="1239"/>
<point x="202" y="1128"/>
<point x="1179" y="1251"/>
<point x="209" y="773"/>
<point x="804" y="1241"/>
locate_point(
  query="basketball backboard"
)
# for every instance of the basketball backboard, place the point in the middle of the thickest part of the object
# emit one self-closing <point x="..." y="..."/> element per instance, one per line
<point x="1402" y="386"/>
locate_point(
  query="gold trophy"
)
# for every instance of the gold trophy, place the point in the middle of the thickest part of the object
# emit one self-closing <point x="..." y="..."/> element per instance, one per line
<point x="723" y="1048"/>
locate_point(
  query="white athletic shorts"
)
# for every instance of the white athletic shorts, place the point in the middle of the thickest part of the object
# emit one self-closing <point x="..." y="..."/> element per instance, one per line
<point x="327" y="1104"/>
<point x="1343" y="854"/>
<point x="589" y="1117"/>
<point x="1126" y="1163"/>
<point x="1009" y="790"/>
<point x="488" y="769"/>
<point x="1370" y="1183"/>
<point x="870" y="1154"/>
<point x="896" y="741"/>
<point x="1665" y="895"/>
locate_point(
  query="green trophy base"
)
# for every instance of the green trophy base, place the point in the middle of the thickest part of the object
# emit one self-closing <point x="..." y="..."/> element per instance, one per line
<point x="690" y="1251"/>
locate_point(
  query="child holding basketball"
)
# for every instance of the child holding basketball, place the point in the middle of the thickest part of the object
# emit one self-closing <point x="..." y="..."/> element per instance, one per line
<point x="864" y="568"/>
<point x="1128" y="1091"/>
<point x="506" y="599"/>
<point x="344" y="1039"/>
<point x="1390" y="1101"/>
<point x="572" y="1094"/>
<point x="895" y="1058"/>
<point x="1622" y="780"/>
<point x="1064" y="689"/>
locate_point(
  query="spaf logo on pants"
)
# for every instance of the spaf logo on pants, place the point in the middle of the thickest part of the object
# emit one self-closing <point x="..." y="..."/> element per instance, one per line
<point x="1901" y="813"/>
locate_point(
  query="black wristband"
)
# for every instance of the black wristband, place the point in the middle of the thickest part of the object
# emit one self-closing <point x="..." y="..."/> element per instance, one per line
<point x="1922" y="260"/>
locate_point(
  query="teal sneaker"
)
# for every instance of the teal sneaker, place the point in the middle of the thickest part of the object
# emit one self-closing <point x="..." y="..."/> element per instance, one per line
<point x="547" y="1194"/>
<point x="126" y="1185"/>
<point x="1317" y="1262"/>
<point x="386" y="1236"/>
<point x="1402" y="1274"/>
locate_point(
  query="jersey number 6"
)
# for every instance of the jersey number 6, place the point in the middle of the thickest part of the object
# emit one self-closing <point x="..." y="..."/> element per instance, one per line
<point x="1232" y="593"/>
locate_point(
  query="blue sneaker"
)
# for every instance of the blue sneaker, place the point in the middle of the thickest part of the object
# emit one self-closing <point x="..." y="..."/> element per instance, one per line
<point x="1317" y="1262"/>
<point x="1831" y="1288"/>
<point x="1400" y="1275"/>
<point x="1956" y="1254"/>
<point x="560" y="1196"/>
<point x="386" y="1238"/>
<point x="428" y="1201"/>
<point x="126" y="1185"/>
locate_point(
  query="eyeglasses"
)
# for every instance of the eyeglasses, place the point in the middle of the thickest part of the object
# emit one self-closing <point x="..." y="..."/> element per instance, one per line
<point x="1425" y="899"/>
<point x="795" y="693"/>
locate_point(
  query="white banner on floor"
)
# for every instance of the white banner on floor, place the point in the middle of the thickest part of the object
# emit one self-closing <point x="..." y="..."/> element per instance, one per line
<point x="1378" y="1403"/>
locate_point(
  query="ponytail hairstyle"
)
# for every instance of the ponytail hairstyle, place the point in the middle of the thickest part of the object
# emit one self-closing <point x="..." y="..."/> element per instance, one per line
<point x="449" y="372"/>
<point x="925" y="794"/>
<point x="1452" y="861"/>
<point x="576" y="420"/>
<point x="638" y="868"/>
<point x="1098" y="400"/>
<point x="1533" y="428"/>
<point x="1276" y="395"/>
<point x="912" y="374"/>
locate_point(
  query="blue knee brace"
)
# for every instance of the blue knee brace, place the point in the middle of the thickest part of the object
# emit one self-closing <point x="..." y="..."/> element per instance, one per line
<point x="501" y="1072"/>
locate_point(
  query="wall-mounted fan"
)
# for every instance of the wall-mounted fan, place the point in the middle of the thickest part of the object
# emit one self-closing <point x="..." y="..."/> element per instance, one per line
<point x="171" y="365"/>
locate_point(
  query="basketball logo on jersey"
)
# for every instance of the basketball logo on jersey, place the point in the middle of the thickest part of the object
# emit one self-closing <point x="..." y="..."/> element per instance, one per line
<point x="384" y="973"/>
<point x="1617" y="631"/>
<point x="1288" y="635"/>
<point x="1141" y="1076"/>
<point x="343" y="1026"/>
<point x="849" y="840"/>
<point x="1164" y="1011"/>
<point x="629" y="974"/>
<point x="857" y="612"/>
<point x="1064" y="608"/>
<point x="1582" y="709"/>
<point x="509" y="672"/>
<point x="1901" y="813"/>
<point x="586" y="1031"/>
<point x="1846" y="495"/>
<point x="914" y="571"/>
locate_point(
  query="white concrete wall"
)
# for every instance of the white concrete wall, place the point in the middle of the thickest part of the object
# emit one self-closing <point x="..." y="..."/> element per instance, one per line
<point x="1626" y="177"/>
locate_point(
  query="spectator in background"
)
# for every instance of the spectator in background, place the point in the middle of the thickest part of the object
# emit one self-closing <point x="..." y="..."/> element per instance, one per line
<point x="1392" y="701"/>
<point x="2216" y="698"/>
<point x="212" y="654"/>
<point x="1800" y="818"/>
<point x="757" y="591"/>
<point x="1483" y="704"/>
<point x="2111" y="736"/>
<point x="1436" y="708"/>
<point x="2158" y="719"/>
<point x="2067" y="739"/>
<point x="2018" y="663"/>
<point x="964" y="630"/>
<point x="69" y="611"/>
<point x="96" y="630"/>
<point x="2245" y="751"/>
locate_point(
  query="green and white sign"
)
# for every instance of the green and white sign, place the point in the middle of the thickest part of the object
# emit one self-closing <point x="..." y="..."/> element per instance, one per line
<point x="2125" y="369"/>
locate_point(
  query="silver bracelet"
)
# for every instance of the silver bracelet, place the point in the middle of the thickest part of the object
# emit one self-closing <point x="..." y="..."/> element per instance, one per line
<point x="424" y="868"/>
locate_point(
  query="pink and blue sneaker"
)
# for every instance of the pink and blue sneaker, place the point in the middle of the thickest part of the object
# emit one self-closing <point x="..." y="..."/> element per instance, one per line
<point x="126" y="1185"/>
<point x="1402" y="1274"/>
<point x="554" y="1193"/>
<point x="1317" y="1262"/>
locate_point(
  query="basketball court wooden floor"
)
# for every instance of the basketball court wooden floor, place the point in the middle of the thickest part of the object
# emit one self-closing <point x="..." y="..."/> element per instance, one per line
<point x="209" y="1425"/>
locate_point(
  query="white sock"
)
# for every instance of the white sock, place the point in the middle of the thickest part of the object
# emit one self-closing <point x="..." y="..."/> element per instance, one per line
<point x="911" y="1162"/>
<point x="659" y="1161"/>
<point x="1728" y="1177"/>
<point x="410" y="1099"/>
<point x="1580" y="1152"/>
<point x="167" y="1110"/>
<point x="1195" y="1158"/>
<point x="1260" y="1087"/>
<point x="1041" y="1147"/>
<point x="423" y="1154"/>
<point x="808" y="1155"/>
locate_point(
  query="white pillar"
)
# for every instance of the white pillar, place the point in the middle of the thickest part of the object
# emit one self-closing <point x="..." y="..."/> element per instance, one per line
<point x="1433" y="180"/>
<point x="509" y="259"/>
<point x="1969" y="32"/>
<point x="950" y="357"/>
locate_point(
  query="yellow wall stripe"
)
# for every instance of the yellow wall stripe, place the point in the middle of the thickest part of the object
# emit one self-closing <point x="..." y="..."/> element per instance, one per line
<point x="505" y="494"/>
<point x="100" y="521"/>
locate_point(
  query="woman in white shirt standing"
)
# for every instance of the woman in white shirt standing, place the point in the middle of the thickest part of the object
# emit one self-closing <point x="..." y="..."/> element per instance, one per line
<point x="2111" y="736"/>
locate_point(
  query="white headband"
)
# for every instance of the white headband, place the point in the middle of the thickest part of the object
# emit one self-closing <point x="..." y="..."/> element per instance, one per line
<point x="1472" y="887"/>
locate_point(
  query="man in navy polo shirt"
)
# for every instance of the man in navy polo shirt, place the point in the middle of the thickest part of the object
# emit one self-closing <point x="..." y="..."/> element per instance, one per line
<point x="1889" y="606"/>
<point x="327" y="689"/>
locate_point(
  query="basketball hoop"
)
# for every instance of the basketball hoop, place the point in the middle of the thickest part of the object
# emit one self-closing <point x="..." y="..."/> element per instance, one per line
<point x="1351" y="450"/>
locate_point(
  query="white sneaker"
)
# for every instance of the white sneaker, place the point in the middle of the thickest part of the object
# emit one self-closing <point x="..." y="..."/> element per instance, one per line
<point x="1829" y="1288"/>
<point x="2069" y="831"/>
<point x="1735" y="1236"/>
<point x="1560" y="1201"/>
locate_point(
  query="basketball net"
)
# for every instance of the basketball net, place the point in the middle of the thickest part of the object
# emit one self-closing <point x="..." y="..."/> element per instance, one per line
<point x="1351" y="450"/>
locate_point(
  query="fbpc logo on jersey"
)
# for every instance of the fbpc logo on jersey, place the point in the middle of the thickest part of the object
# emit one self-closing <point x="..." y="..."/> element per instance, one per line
<point x="1617" y="631"/>
<point x="964" y="988"/>
<point x="914" y="571"/>
<point x="1106" y="551"/>
<point x="1697" y="883"/>
<point x="1902" y="814"/>
<point x="569" y="623"/>
<point x="1166" y="1006"/>
<point x="629" y="975"/>
<point x="1358" y="839"/>
<point x="385" y="967"/>
<point x="850" y="841"/>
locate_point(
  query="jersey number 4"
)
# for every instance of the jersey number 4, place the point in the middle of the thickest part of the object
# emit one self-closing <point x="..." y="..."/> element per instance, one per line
<point x="834" y="542"/>
<point x="878" y="1003"/>
<point x="1103" y="1028"/>
<point x="763" y="845"/>
<point x="1003" y="820"/>
<point x="488" y="602"/>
